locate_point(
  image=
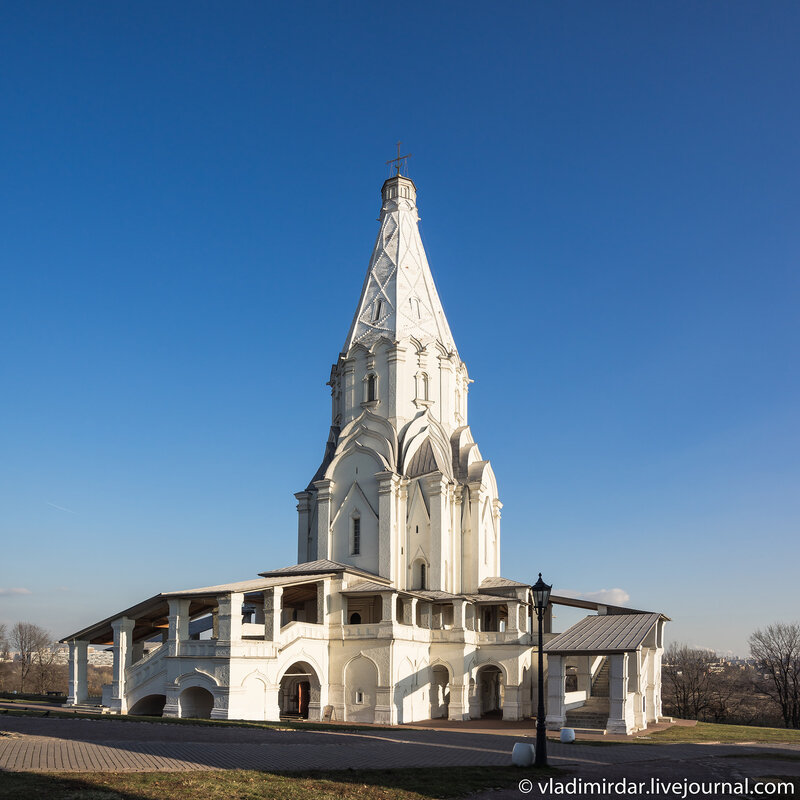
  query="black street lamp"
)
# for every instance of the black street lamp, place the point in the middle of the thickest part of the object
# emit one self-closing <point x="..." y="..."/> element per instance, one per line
<point x="541" y="599"/>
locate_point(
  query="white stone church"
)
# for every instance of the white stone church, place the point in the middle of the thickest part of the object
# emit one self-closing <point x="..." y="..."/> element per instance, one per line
<point x="396" y="611"/>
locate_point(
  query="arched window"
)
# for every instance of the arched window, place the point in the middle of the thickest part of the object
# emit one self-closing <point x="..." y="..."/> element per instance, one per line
<point x="422" y="576"/>
<point x="355" y="618"/>
<point x="372" y="388"/>
<point x="423" y="386"/>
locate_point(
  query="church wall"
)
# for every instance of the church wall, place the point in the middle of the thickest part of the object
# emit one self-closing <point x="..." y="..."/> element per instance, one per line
<point x="355" y="495"/>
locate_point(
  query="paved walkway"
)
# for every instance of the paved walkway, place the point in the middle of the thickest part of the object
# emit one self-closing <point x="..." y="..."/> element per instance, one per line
<point x="76" y="745"/>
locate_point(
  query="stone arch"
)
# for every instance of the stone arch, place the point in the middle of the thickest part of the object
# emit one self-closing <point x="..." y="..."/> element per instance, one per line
<point x="420" y="572"/>
<point x="404" y="689"/>
<point x="490" y="683"/>
<point x="197" y="677"/>
<point x="360" y="689"/>
<point x="195" y="702"/>
<point x="300" y="689"/>
<point x="152" y="705"/>
<point x="441" y="676"/>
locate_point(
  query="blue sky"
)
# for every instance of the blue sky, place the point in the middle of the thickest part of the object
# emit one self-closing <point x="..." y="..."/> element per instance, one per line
<point x="609" y="205"/>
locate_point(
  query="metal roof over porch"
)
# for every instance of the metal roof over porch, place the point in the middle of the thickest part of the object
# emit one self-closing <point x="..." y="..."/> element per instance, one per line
<point x="613" y="633"/>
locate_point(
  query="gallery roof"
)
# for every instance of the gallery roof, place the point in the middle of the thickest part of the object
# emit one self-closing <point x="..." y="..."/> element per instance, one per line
<point x="318" y="567"/>
<point x="613" y="633"/>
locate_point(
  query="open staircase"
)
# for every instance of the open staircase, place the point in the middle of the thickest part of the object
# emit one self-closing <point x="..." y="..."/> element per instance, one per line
<point x="593" y="714"/>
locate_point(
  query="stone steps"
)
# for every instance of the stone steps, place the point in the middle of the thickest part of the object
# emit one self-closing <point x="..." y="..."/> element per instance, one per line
<point x="87" y="708"/>
<point x="593" y="714"/>
<point x="600" y="683"/>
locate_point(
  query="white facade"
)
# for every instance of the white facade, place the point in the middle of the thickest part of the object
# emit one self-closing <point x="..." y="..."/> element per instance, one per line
<point x="395" y="611"/>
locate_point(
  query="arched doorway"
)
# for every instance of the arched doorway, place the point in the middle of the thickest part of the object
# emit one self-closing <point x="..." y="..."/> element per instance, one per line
<point x="490" y="690"/>
<point x="300" y="692"/>
<point x="440" y="692"/>
<point x="150" y="706"/>
<point x="196" y="703"/>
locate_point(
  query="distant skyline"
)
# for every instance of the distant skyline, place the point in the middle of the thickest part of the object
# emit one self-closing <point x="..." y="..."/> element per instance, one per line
<point x="188" y="208"/>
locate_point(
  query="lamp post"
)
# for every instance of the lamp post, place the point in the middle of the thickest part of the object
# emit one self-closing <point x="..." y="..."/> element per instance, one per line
<point x="541" y="598"/>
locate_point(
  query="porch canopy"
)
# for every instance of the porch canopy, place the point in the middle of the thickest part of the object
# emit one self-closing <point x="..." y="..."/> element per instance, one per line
<point x="606" y="634"/>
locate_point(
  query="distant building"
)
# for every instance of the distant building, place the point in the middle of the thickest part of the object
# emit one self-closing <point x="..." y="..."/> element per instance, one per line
<point x="396" y="611"/>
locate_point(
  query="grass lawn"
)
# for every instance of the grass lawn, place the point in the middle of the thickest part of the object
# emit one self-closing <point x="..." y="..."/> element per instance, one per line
<point x="711" y="732"/>
<point x="405" y="784"/>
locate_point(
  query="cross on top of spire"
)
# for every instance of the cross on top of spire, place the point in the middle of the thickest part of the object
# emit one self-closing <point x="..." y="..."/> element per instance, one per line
<point x="400" y="163"/>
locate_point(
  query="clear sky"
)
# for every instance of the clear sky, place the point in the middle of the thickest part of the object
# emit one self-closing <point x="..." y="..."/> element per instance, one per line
<point x="609" y="201"/>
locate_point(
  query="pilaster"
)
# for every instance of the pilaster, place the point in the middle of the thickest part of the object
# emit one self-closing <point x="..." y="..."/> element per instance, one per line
<point x="303" y="527"/>
<point x="436" y="486"/>
<point x="324" y="514"/>
<point x="388" y="545"/>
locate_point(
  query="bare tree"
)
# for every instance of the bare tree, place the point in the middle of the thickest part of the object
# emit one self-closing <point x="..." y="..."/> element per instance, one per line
<point x="3" y="642"/>
<point x="31" y="641"/>
<point x="688" y="681"/>
<point x="777" y="651"/>
<point x="45" y="665"/>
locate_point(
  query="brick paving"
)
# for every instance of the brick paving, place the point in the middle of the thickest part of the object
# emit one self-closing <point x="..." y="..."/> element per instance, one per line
<point x="80" y="745"/>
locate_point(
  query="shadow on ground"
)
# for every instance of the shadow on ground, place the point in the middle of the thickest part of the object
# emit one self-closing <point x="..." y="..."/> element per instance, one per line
<point x="396" y="784"/>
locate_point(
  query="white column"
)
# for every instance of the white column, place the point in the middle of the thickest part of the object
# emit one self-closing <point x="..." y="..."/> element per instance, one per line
<point x="272" y="613"/>
<point x="511" y="704"/>
<point x="408" y="618"/>
<point x="618" y="694"/>
<point x="178" y="625"/>
<point x="556" y="677"/>
<point x="426" y="615"/>
<point x="123" y="630"/>
<point x="230" y="617"/>
<point x="459" y="614"/>
<point x="414" y="603"/>
<point x="388" y="607"/>
<point x="323" y="591"/>
<point x="512" y="622"/>
<point x="78" y="667"/>
<point x="459" y="698"/>
<point x="334" y="608"/>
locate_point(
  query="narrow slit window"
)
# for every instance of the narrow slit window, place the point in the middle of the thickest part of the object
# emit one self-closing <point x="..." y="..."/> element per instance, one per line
<point x="376" y="314"/>
<point x="422" y="576"/>
<point x="356" y="536"/>
<point x="371" y="389"/>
